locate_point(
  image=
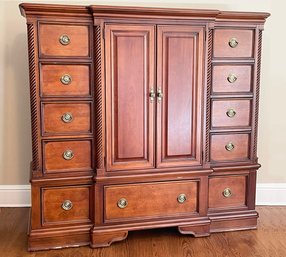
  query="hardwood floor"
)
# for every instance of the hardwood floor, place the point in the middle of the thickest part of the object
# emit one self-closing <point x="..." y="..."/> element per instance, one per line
<point x="268" y="240"/>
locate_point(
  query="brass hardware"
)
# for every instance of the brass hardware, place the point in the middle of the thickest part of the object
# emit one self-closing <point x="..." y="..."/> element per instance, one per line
<point x="64" y="40"/>
<point x="231" y="113"/>
<point x="159" y="94"/>
<point x="229" y="146"/>
<point x="67" y="117"/>
<point x="152" y="95"/>
<point x="66" y="79"/>
<point x="181" y="198"/>
<point x="227" y="192"/>
<point x="67" y="205"/>
<point x="233" y="42"/>
<point x="122" y="203"/>
<point x="68" y="155"/>
<point x="231" y="78"/>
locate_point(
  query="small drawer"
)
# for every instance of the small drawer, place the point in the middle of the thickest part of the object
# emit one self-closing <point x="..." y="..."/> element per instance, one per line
<point x="226" y="192"/>
<point x="230" y="113"/>
<point x="65" y="80"/>
<point x="63" y="40"/>
<point x="66" y="118"/>
<point x="230" y="147"/>
<point x="233" y="43"/>
<point x="150" y="200"/>
<point x="232" y="79"/>
<point x="64" y="205"/>
<point x="67" y="156"/>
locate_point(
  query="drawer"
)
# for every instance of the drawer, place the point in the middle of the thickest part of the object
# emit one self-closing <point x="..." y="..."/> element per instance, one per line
<point x="230" y="113"/>
<point x="225" y="192"/>
<point x="66" y="118"/>
<point x="233" y="43"/>
<point x="67" y="156"/>
<point x="65" y="205"/>
<point x="63" y="40"/>
<point x="65" y="80"/>
<point x="232" y="78"/>
<point x="231" y="147"/>
<point x="150" y="200"/>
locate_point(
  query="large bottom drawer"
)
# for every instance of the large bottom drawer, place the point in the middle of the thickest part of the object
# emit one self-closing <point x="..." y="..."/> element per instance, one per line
<point x="150" y="200"/>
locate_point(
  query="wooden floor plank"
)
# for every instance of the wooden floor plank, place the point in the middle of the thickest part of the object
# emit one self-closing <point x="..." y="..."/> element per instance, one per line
<point x="268" y="240"/>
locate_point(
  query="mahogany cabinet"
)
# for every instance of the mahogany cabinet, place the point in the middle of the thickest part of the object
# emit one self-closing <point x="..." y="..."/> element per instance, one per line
<point x="141" y="118"/>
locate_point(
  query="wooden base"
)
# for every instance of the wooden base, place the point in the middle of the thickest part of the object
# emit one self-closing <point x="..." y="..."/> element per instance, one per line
<point x="104" y="236"/>
<point x="46" y="239"/>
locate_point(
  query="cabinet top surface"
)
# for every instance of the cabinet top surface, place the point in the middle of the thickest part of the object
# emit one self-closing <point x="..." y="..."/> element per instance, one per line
<point x="31" y="9"/>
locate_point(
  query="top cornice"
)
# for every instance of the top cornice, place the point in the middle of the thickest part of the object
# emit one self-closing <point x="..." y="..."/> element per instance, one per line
<point x="99" y="11"/>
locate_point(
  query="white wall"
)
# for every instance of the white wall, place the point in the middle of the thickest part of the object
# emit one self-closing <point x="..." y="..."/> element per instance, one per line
<point x="15" y="139"/>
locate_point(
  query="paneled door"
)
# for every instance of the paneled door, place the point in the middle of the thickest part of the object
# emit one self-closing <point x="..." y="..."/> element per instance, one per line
<point x="180" y="53"/>
<point x="130" y="69"/>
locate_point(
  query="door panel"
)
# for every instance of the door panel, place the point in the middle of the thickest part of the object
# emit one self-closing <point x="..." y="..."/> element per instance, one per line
<point x="130" y="113"/>
<point x="179" y="76"/>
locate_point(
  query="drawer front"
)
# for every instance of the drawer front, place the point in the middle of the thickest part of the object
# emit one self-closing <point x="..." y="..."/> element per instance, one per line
<point x="65" y="80"/>
<point x="227" y="192"/>
<point x="67" y="156"/>
<point x="233" y="43"/>
<point x="232" y="78"/>
<point x="66" y="118"/>
<point x="230" y="113"/>
<point x="150" y="200"/>
<point x="64" y="40"/>
<point x="231" y="147"/>
<point x="65" y="205"/>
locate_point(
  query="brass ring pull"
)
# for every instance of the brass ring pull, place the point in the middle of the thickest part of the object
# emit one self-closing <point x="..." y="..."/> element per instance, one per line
<point x="181" y="198"/>
<point x="159" y="95"/>
<point x="231" y="113"/>
<point x="227" y="192"/>
<point x="122" y="203"/>
<point x="67" y="205"/>
<point x="66" y="79"/>
<point x="68" y="155"/>
<point x="229" y="146"/>
<point x="152" y="95"/>
<point x="64" y="40"/>
<point x="231" y="78"/>
<point x="233" y="42"/>
<point x="67" y="117"/>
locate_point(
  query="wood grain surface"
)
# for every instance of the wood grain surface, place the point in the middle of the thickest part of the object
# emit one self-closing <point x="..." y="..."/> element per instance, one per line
<point x="268" y="240"/>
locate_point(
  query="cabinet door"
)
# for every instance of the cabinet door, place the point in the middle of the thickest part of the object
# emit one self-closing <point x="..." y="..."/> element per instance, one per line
<point x="180" y="57"/>
<point x="130" y="71"/>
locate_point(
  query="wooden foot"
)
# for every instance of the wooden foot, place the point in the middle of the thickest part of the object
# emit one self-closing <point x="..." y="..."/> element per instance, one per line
<point x="106" y="238"/>
<point x="198" y="230"/>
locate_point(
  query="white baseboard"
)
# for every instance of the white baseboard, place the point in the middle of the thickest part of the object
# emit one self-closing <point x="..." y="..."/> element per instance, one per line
<point x="15" y="195"/>
<point x="271" y="194"/>
<point x="19" y="195"/>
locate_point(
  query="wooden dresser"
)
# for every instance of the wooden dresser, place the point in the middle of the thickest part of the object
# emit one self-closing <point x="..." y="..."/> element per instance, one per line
<point x="141" y="118"/>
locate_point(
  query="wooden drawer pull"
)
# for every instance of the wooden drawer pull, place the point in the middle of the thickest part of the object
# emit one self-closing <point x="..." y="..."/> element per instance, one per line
<point x="122" y="203"/>
<point x="233" y="42"/>
<point x="64" y="40"/>
<point x="67" y="117"/>
<point x="67" y="205"/>
<point x="227" y="192"/>
<point x="68" y="155"/>
<point x="181" y="198"/>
